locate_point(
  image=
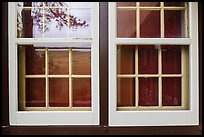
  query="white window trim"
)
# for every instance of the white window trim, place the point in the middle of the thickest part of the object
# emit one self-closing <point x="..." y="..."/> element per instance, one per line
<point x="31" y="118"/>
<point x="155" y="117"/>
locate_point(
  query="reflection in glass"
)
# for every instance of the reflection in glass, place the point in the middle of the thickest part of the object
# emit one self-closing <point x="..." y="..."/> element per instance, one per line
<point x="174" y="4"/>
<point x="58" y="61"/>
<point x="125" y="92"/>
<point x="174" y="24"/>
<point x="81" y="92"/>
<point x="80" y="4"/>
<point x="53" y="22"/>
<point x="149" y="4"/>
<point x="28" y="24"/>
<point x="30" y="4"/>
<point x="124" y="4"/>
<point x="149" y="24"/>
<point x="148" y="59"/>
<point x="58" y="92"/>
<point x="171" y="91"/>
<point x="80" y="23"/>
<point x="34" y="59"/>
<point x="56" y="23"/>
<point x="81" y="61"/>
<point x="126" y="23"/>
<point x="126" y="59"/>
<point x="148" y="91"/>
<point x="171" y="59"/>
<point x="35" y="92"/>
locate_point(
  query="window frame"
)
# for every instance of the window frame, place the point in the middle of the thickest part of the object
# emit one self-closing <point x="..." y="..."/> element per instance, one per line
<point x="158" y="117"/>
<point x="103" y="129"/>
<point x="52" y="117"/>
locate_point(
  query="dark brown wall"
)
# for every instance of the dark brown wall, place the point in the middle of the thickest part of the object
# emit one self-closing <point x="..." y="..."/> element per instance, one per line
<point x="103" y="129"/>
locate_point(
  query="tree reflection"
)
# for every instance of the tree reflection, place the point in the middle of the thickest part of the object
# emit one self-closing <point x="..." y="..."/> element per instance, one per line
<point x="41" y="17"/>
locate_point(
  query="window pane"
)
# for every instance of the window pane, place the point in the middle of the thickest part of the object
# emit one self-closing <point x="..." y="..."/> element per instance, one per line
<point x="80" y="23"/>
<point x="35" y="60"/>
<point x="56" y="23"/>
<point x="80" y="4"/>
<point x="81" y="61"/>
<point x="56" y="4"/>
<point x="35" y="92"/>
<point x="81" y="92"/>
<point x="149" y="4"/>
<point x="126" y="23"/>
<point x="126" y="4"/>
<point x="171" y="91"/>
<point x="171" y="59"/>
<point x="58" y="61"/>
<point x="148" y="91"/>
<point x="30" y="4"/>
<point x="174" y="24"/>
<point x="58" y="92"/>
<point x="126" y="59"/>
<point x="29" y="23"/>
<point x="149" y="24"/>
<point x="173" y="3"/>
<point x="148" y="59"/>
<point x="125" y="92"/>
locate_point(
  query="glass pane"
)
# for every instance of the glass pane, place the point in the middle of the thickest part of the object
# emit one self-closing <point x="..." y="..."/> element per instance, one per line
<point x="125" y="92"/>
<point x="126" y="4"/>
<point x="126" y="23"/>
<point x="35" y="92"/>
<point x="148" y="91"/>
<point x="174" y="24"/>
<point x="56" y="4"/>
<point x="149" y="4"/>
<point x="80" y="4"/>
<point x="29" y="23"/>
<point x="81" y="92"/>
<point x="58" y="61"/>
<point x="171" y="59"/>
<point x="58" y="92"/>
<point x="30" y="4"/>
<point x="35" y="60"/>
<point x="56" y="23"/>
<point x="149" y="24"/>
<point x="80" y="23"/>
<point x="174" y="4"/>
<point x="171" y="91"/>
<point x="148" y="59"/>
<point x="126" y="59"/>
<point x="81" y="61"/>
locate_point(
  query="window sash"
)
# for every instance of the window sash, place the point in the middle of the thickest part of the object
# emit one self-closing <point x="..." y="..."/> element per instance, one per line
<point x="154" y="117"/>
<point x="56" y="117"/>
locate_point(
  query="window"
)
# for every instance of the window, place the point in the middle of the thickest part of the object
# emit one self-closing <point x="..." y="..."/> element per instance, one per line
<point x="150" y="56"/>
<point x="56" y="72"/>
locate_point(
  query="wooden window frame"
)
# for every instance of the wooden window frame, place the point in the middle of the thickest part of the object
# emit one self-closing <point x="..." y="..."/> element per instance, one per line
<point x="83" y="116"/>
<point x="103" y="128"/>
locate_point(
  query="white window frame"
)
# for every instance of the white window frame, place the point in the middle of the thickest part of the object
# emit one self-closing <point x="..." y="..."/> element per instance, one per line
<point x="52" y="117"/>
<point x="155" y="117"/>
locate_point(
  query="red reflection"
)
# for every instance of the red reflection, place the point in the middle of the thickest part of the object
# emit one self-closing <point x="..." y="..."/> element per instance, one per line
<point x="149" y="24"/>
<point x="126" y="59"/>
<point x="171" y="59"/>
<point x="171" y="91"/>
<point x="81" y="92"/>
<point x="148" y="91"/>
<point x="147" y="59"/>
<point x="35" y="92"/>
<point x="125" y="92"/>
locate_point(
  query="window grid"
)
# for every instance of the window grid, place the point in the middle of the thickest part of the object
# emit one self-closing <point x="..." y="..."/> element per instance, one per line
<point x="47" y="76"/>
<point x="183" y="76"/>
<point x="184" y="59"/>
<point x="162" y="8"/>
<point x="44" y="7"/>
